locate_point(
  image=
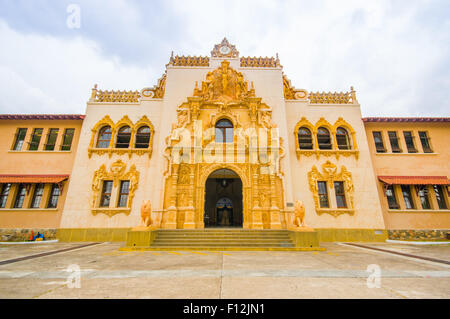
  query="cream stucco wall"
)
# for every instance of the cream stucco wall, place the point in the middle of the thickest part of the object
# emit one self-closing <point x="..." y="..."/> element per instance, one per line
<point x="367" y="207"/>
<point x="412" y="164"/>
<point x="37" y="162"/>
<point x="162" y="113"/>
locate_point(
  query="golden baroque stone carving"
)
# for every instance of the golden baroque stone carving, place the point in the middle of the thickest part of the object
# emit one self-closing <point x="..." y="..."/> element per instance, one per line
<point x="333" y="98"/>
<point x="224" y="50"/>
<point x="116" y="173"/>
<point x="110" y="212"/>
<point x="291" y="93"/>
<point x="224" y="94"/>
<point x="224" y="84"/>
<point x="299" y="214"/>
<point x="330" y="175"/>
<point x="255" y="62"/>
<point x="114" y="96"/>
<point x="188" y="60"/>
<point x="335" y="151"/>
<point x="125" y="120"/>
<point x="146" y="220"/>
<point x="157" y="91"/>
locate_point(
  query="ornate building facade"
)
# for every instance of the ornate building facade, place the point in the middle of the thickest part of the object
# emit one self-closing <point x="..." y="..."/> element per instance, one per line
<point x="227" y="141"/>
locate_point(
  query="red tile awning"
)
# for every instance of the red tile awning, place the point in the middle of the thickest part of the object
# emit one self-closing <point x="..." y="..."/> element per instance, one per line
<point x="8" y="178"/>
<point x="414" y="180"/>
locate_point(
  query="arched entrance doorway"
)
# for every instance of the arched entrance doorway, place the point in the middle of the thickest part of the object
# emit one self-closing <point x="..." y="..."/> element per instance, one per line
<point x="223" y="199"/>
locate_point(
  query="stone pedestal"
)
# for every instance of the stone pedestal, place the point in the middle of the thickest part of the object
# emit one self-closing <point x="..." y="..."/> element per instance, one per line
<point x="257" y="219"/>
<point x="171" y="218"/>
<point x="275" y="218"/>
<point x="189" y="221"/>
<point x="305" y="237"/>
<point x="140" y="238"/>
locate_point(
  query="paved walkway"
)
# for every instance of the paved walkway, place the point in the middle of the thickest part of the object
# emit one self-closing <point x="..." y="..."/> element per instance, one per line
<point x="342" y="271"/>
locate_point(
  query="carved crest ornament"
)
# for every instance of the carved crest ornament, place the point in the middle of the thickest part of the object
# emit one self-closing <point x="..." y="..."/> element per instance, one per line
<point x="330" y="174"/>
<point x="116" y="173"/>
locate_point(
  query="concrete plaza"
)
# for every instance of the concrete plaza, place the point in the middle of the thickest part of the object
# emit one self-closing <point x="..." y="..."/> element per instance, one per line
<point x="342" y="271"/>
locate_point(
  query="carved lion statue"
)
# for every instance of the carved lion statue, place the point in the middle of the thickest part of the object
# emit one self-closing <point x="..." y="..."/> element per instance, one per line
<point x="146" y="211"/>
<point x="299" y="214"/>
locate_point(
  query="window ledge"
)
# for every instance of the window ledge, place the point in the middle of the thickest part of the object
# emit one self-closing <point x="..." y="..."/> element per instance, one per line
<point x="39" y="151"/>
<point x="327" y="153"/>
<point x="29" y="210"/>
<point x="120" y="151"/>
<point x="111" y="211"/>
<point x="335" y="211"/>
<point x="419" y="210"/>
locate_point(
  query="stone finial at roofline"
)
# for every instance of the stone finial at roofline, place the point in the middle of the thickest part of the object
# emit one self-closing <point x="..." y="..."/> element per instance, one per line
<point x="224" y="50"/>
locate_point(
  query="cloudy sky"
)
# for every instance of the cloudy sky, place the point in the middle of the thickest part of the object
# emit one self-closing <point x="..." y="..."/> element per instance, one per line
<point x="395" y="53"/>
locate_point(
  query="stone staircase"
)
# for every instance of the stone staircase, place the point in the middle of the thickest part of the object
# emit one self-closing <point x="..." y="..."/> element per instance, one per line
<point x="222" y="239"/>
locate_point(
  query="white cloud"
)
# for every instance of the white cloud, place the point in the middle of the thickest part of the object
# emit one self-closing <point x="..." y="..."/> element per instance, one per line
<point x="54" y="75"/>
<point x="394" y="53"/>
<point x="379" y="47"/>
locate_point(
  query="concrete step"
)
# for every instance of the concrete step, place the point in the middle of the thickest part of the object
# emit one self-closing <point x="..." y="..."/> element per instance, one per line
<point x="235" y="244"/>
<point x="231" y="239"/>
<point x="209" y="233"/>
<point x="219" y="248"/>
<point x="169" y="236"/>
<point x="221" y="238"/>
<point x="229" y="242"/>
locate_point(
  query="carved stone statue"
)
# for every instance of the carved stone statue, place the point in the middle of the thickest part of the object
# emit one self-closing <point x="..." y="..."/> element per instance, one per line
<point x="299" y="214"/>
<point x="146" y="212"/>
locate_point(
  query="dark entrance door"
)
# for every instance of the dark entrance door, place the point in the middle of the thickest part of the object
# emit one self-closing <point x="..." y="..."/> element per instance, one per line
<point x="223" y="199"/>
<point x="224" y="212"/>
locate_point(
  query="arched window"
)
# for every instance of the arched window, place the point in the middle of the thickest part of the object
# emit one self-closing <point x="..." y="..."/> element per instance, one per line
<point x="324" y="138"/>
<point x="142" y="137"/>
<point x="224" y="131"/>
<point x="123" y="137"/>
<point x="305" y="141"/>
<point x="104" y="137"/>
<point x="342" y="138"/>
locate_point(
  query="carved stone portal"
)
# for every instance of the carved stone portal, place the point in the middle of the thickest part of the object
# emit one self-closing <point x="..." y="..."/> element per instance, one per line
<point x="224" y="94"/>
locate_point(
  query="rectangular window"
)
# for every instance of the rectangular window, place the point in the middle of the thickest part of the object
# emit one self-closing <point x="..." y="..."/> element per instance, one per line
<point x="392" y="200"/>
<point x="20" y="197"/>
<point x="4" y="194"/>
<point x="425" y="142"/>
<point x="54" y="196"/>
<point x="340" y="194"/>
<point x="393" y="138"/>
<point x="35" y="139"/>
<point x="20" y="138"/>
<point x="406" y="191"/>
<point x="51" y="139"/>
<point x="67" y="139"/>
<point x="106" y="193"/>
<point x="423" y="195"/>
<point x="37" y="196"/>
<point x="379" y="145"/>
<point x="440" y="196"/>
<point x="123" y="196"/>
<point x="409" y="140"/>
<point x="323" y="194"/>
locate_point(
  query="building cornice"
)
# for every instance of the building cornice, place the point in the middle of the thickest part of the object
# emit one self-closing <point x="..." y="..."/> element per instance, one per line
<point x="42" y="117"/>
<point x="405" y="119"/>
